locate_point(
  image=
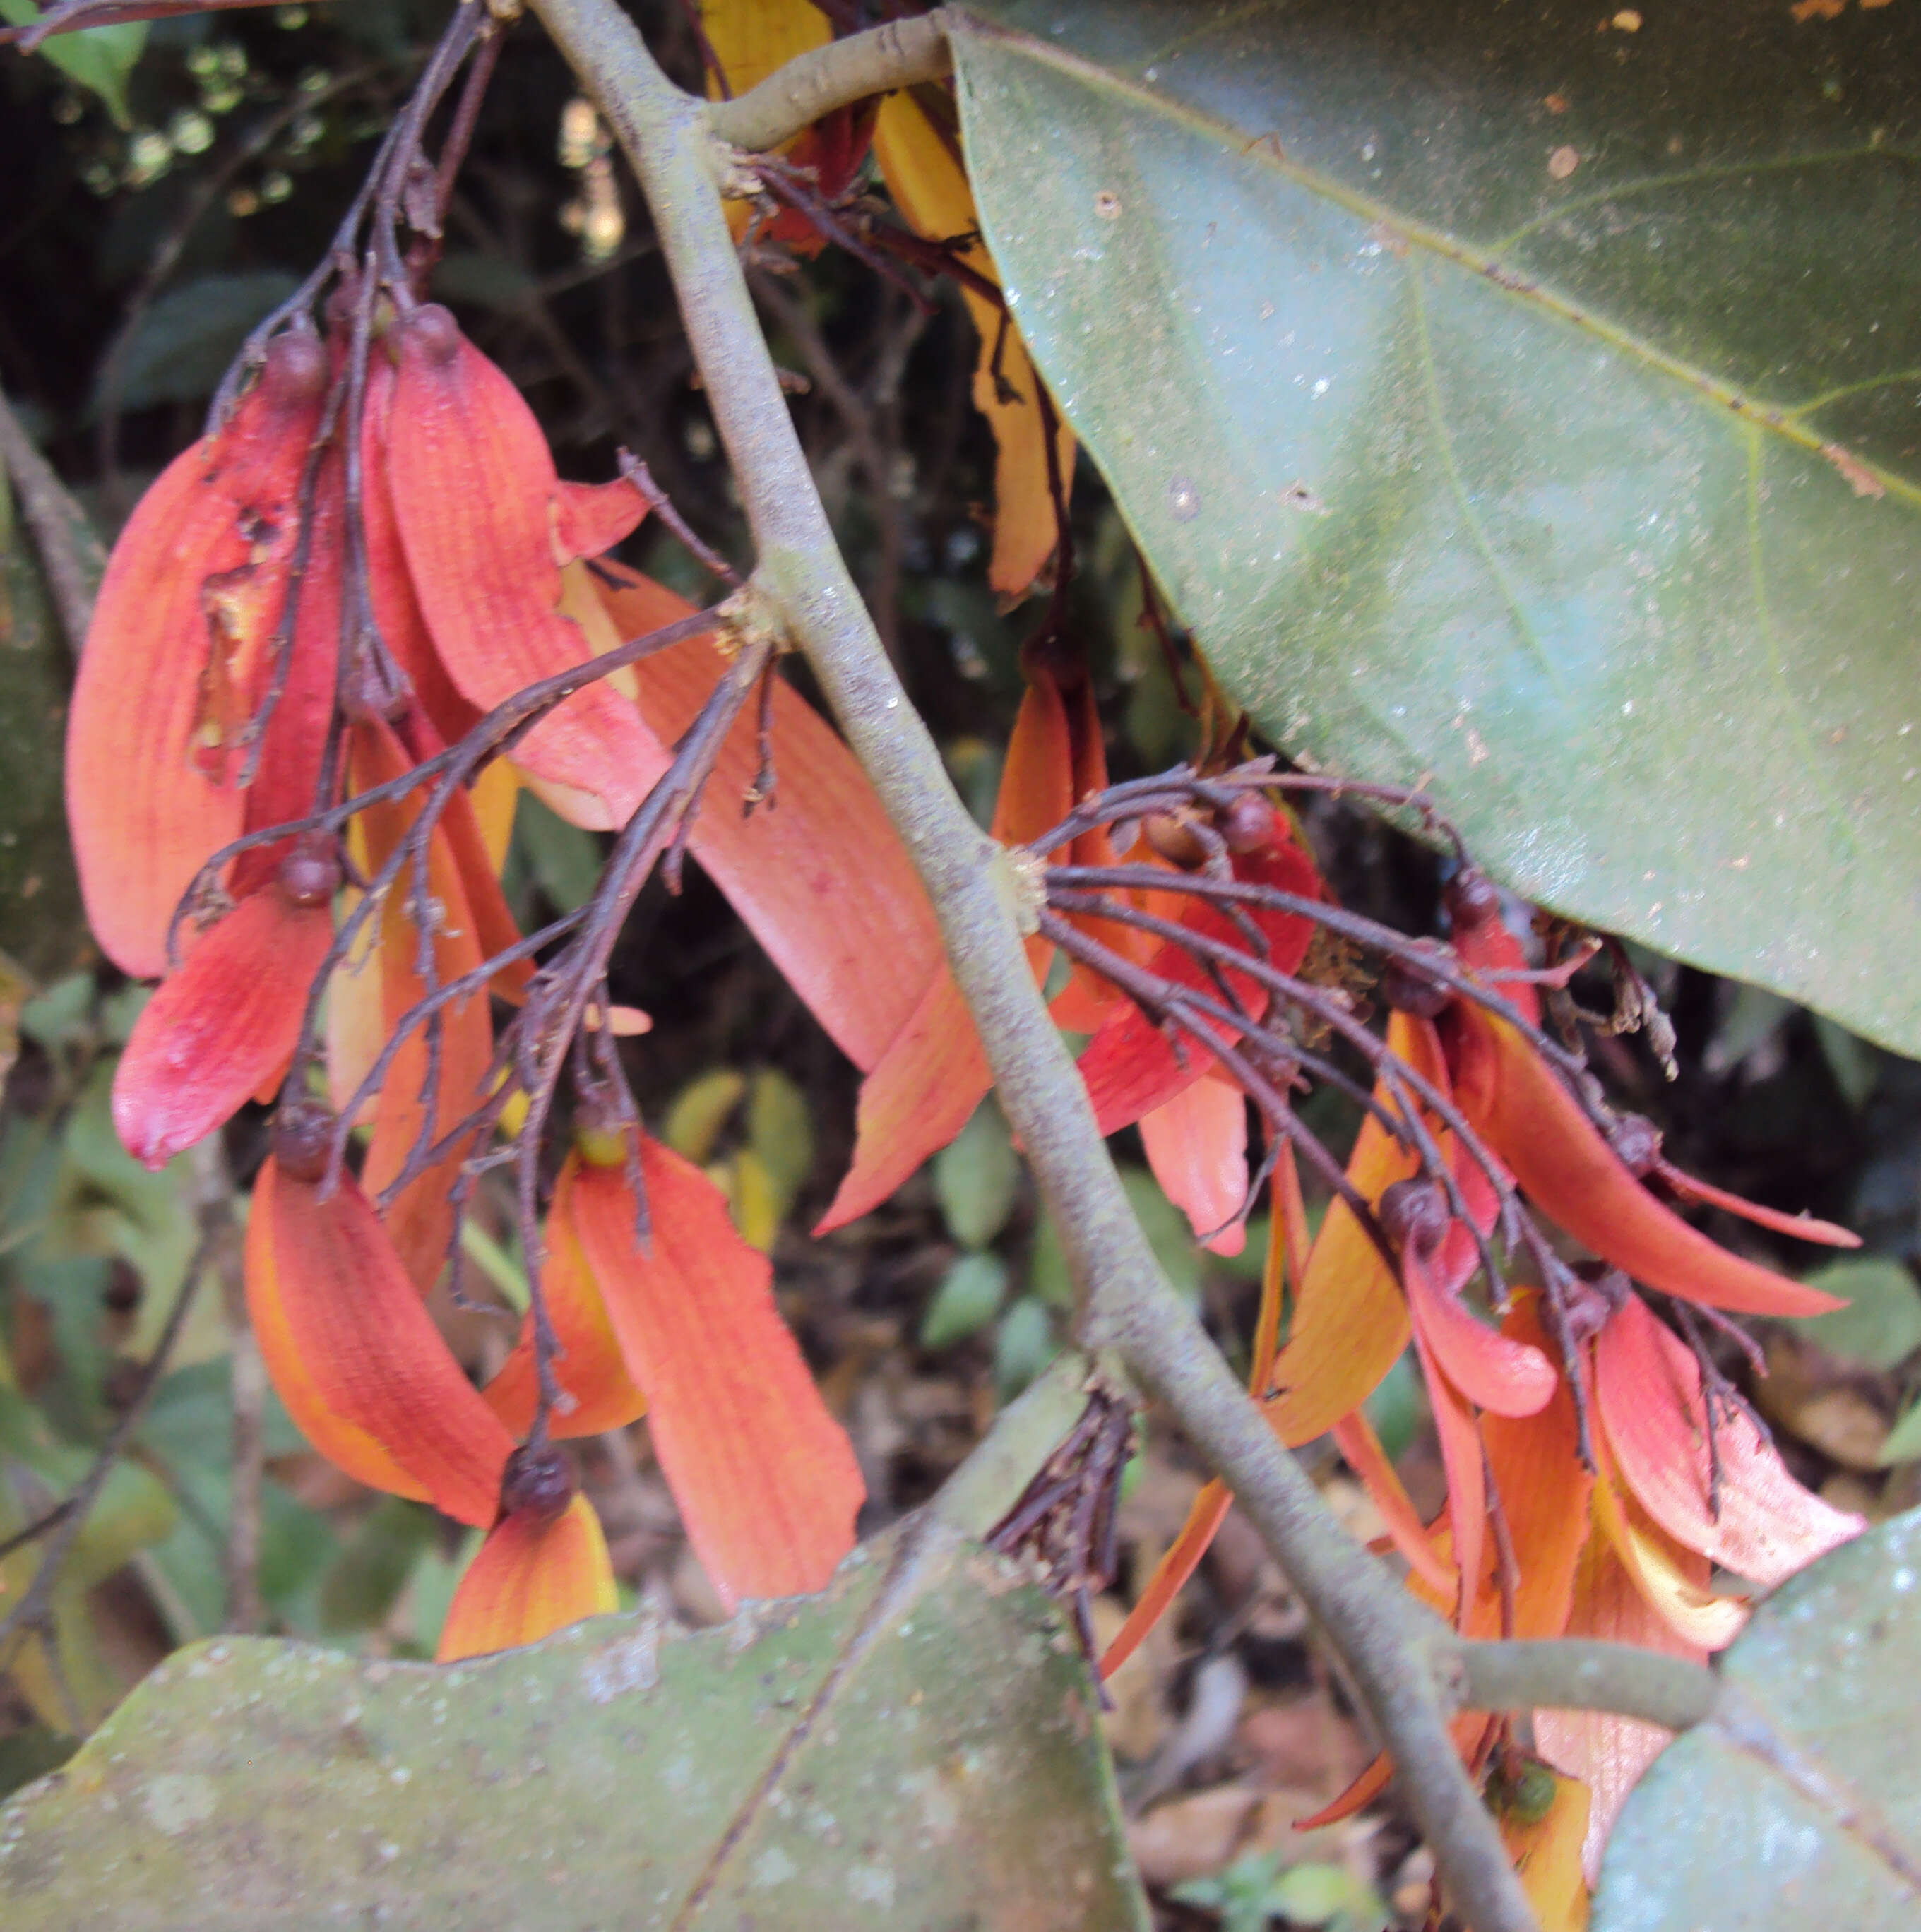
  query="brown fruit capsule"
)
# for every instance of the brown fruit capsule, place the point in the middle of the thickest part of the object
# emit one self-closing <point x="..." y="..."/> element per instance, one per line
<point x="1249" y="824"/>
<point x="1591" y="1296"/>
<point x="303" y="1138"/>
<point x="538" y="1480"/>
<point x="434" y="331"/>
<point x="1637" y="1140"/>
<point x="1405" y="988"/>
<point x="310" y="875"/>
<point x="1176" y="840"/>
<point x="293" y="369"/>
<point x="1414" y="1212"/>
<point x="372" y="690"/>
<point x="1472" y="898"/>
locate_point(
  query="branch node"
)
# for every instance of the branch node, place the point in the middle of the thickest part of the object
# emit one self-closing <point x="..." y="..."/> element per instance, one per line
<point x="753" y="618"/>
<point x="1026" y="875"/>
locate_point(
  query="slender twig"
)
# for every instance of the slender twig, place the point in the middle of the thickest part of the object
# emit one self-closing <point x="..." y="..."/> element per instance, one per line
<point x="493" y="736"/>
<point x="557" y="1002"/>
<point x="709" y="559"/>
<point x="70" y="556"/>
<point x="1395" y="1072"/>
<point x="71" y="16"/>
<point x="976" y="888"/>
<point x="1430" y="964"/>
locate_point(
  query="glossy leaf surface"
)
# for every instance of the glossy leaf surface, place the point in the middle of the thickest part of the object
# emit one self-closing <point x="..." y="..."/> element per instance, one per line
<point x="916" y="1748"/>
<point x="1806" y="1808"/>
<point x="1519" y="408"/>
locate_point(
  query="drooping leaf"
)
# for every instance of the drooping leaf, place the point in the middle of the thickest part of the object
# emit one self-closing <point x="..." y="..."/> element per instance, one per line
<point x="1803" y="1804"/>
<point x="1546" y="392"/>
<point x="563" y="861"/>
<point x="1880" y="1327"/>
<point x="98" y="59"/>
<point x="821" y="880"/>
<point x="181" y="347"/>
<point x="765" y="1477"/>
<point x="976" y="1178"/>
<point x="968" y="1297"/>
<point x="363" y="1583"/>
<point x="1024" y="1344"/>
<point x="533" y="1575"/>
<point x="780" y="1133"/>
<point x="917" y="1747"/>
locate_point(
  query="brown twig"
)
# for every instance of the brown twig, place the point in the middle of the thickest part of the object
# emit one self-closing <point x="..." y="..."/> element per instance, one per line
<point x="70" y="557"/>
<point x="71" y="16"/>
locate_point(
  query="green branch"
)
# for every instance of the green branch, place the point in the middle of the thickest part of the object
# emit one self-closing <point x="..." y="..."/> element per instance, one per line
<point x="1583" y="1674"/>
<point x="1389" y="1642"/>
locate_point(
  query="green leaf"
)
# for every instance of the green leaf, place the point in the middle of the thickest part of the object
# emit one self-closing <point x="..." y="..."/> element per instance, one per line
<point x="1326" y="1894"/>
<point x="1802" y="1805"/>
<point x="30" y="1754"/>
<point x="1853" y="1062"/>
<point x="1047" y="1277"/>
<point x="180" y="349"/>
<point x="1903" y="1440"/>
<point x="133" y="1511"/>
<point x="107" y="1204"/>
<point x="781" y="1133"/>
<point x="563" y="861"/>
<point x="190" y="1422"/>
<point x="977" y="1176"/>
<point x="697" y="1114"/>
<point x="1024" y="1344"/>
<point x="99" y="59"/>
<point x="366" y="1579"/>
<point x="1167" y="1229"/>
<point x="968" y="1297"/>
<point x="1396" y="1407"/>
<point x="1880" y="1327"/>
<point x="915" y="1748"/>
<point x="1559" y="453"/>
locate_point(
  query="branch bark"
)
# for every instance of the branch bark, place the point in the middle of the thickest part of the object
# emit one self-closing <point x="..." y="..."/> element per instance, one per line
<point x="1391" y="1644"/>
<point x="1583" y="1674"/>
<point x="899" y="54"/>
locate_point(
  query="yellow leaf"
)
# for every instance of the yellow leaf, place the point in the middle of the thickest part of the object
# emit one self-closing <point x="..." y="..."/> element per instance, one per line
<point x="750" y="38"/>
<point x="924" y="175"/>
<point x="700" y="1110"/>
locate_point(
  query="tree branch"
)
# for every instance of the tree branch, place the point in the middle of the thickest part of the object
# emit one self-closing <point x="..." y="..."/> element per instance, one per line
<point x="1583" y="1674"/>
<point x="70" y="553"/>
<point x="976" y="891"/>
<point x="898" y="54"/>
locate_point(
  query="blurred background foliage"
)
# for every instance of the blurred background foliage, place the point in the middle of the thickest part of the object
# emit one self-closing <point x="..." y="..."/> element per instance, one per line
<point x="165" y="187"/>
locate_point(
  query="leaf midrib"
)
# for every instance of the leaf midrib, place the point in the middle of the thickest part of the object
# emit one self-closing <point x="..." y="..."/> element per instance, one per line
<point x="1783" y="422"/>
